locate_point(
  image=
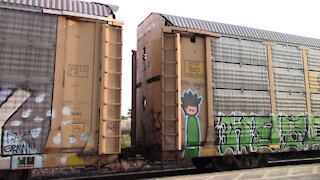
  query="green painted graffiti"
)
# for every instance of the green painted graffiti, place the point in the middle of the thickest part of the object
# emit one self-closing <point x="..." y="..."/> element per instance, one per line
<point x="191" y="106"/>
<point x="237" y="135"/>
<point x="313" y="142"/>
<point x="293" y="131"/>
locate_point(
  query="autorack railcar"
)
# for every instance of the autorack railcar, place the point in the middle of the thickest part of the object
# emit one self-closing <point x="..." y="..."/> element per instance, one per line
<point x="60" y="84"/>
<point x="207" y="89"/>
<point x="203" y="90"/>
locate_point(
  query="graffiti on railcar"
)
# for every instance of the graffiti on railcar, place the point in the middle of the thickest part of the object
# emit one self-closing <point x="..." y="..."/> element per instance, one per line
<point x="190" y="104"/>
<point x="24" y="120"/>
<point x="238" y="135"/>
<point x="293" y="133"/>
<point x="313" y="134"/>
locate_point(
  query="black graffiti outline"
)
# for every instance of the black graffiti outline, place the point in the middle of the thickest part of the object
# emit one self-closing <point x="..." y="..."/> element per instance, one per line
<point x="13" y="91"/>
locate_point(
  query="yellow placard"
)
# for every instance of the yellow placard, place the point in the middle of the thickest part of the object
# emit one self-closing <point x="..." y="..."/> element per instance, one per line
<point x="208" y="150"/>
<point x="275" y="146"/>
<point x="75" y="161"/>
<point x="78" y="127"/>
<point x="194" y="69"/>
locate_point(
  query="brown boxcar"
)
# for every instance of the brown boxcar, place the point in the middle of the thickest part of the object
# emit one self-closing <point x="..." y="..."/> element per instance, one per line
<point x="210" y="89"/>
<point x="60" y="83"/>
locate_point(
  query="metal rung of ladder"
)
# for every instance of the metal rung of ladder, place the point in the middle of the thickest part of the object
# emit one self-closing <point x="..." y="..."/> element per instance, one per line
<point x="113" y="153"/>
<point x="112" y="72"/>
<point x="170" y="104"/>
<point x="170" y="134"/>
<point x="174" y="90"/>
<point x="171" y="35"/>
<point x="169" y="62"/>
<point x="115" y="136"/>
<point x="169" y="76"/>
<point x="112" y="88"/>
<point x="115" y="104"/>
<point x="114" y="42"/>
<point x="170" y="49"/>
<point x="112" y="57"/>
<point x="171" y="119"/>
<point x="112" y="120"/>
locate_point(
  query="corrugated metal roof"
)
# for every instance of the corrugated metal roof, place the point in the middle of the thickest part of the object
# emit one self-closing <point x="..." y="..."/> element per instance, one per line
<point x="239" y="31"/>
<point x="91" y="8"/>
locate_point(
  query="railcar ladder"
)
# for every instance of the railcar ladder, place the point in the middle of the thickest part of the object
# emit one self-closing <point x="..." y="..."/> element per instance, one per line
<point x="110" y="109"/>
<point x="171" y="124"/>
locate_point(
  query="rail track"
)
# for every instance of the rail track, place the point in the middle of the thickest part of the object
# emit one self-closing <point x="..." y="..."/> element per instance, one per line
<point x="174" y="171"/>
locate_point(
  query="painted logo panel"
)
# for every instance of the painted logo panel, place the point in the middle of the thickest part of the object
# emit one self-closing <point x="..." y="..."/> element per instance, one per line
<point x="194" y="69"/>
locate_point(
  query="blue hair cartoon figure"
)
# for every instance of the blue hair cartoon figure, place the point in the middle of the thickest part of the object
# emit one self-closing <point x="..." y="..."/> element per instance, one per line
<point x="190" y="104"/>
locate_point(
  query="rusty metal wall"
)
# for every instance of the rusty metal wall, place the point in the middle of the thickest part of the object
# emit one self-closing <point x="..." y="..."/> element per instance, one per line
<point x="27" y="56"/>
<point x="239" y="51"/>
<point x="289" y="80"/>
<point x="287" y="57"/>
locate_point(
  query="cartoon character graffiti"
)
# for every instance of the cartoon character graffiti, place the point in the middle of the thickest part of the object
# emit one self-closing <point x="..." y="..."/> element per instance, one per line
<point x="190" y="104"/>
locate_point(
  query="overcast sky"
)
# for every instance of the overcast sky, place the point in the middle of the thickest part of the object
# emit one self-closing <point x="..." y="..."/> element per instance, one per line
<point x="298" y="17"/>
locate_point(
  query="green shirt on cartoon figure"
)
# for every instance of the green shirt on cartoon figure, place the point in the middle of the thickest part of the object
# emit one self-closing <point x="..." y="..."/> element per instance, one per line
<point x="190" y="102"/>
<point x="192" y="137"/>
